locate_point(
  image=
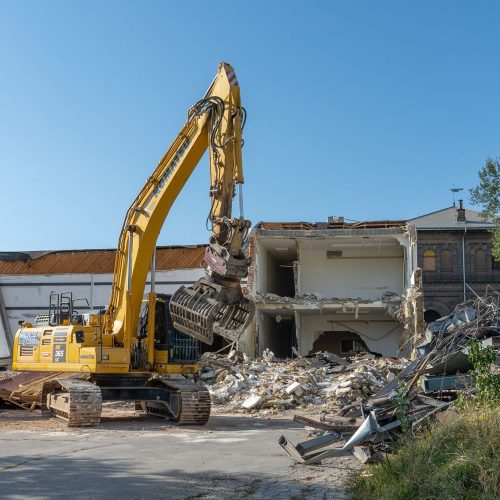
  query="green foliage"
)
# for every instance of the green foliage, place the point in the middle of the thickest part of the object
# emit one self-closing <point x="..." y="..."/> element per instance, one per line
<point x="458" y="457"/>
<point x="487" y="195"/>
<point x="495" y="251"/>
<point x="487" y="383"/>
<point x="402" y="403"/>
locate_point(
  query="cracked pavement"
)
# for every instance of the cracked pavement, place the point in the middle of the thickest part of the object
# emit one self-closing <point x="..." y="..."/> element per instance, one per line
<point x="136" y="456"/>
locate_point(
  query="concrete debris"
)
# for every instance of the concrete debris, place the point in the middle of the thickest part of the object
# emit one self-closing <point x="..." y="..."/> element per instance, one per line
<point x="294" y="388"/>
<point x="392" y="300"/>
<point x="317" y="383"/>
<point x="370" y="426"/>
<point x="363" y="454"/>
<point x="251" y="402"/>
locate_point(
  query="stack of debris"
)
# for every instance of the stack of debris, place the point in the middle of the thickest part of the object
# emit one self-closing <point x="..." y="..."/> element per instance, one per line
<point x="426" y="386"/>
<point x="268" y="385"/>
<point x="23" y="389"/>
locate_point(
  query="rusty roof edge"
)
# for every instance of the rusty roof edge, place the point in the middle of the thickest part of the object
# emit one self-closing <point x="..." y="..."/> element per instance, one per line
<point x="24" y="256"/>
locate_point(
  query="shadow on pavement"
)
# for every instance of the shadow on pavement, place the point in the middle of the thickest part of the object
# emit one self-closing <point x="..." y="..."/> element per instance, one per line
<point x="129" y="421"/>
<point x="66" y="476"/>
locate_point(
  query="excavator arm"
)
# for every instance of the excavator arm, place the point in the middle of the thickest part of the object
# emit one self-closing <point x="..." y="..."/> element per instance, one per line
<point x="215" y="303"/>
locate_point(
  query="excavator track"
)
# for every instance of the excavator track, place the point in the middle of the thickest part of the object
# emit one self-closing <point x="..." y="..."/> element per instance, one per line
<point x="76" y="401"/>
<point x="193" y="406"/>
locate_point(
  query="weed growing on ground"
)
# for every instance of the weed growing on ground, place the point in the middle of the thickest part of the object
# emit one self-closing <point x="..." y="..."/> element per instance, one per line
<point x="487" y="382"/>
<point x="458" y="457"/>
<point x="402" y="403"/>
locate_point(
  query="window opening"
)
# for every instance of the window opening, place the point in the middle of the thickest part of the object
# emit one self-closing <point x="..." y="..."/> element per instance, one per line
<point x="429" y="260"/>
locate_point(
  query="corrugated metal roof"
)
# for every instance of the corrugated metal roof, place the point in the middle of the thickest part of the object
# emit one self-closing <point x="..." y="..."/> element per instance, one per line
<point x="94" y="261"/>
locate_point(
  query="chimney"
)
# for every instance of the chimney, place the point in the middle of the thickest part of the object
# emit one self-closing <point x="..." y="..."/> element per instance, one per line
<point x="461" y="212"/>
<point x="335" y="219"/>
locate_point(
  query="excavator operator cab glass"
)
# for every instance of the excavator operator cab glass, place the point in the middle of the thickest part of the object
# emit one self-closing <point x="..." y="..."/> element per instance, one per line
<point x="79" y="337"/>
<point x="161" y="333"/>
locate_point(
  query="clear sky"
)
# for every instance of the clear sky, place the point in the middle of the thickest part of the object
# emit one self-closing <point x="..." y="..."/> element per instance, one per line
<point x="365" y="109"/>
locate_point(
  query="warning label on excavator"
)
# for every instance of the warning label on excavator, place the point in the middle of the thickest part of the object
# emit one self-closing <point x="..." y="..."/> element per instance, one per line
<point x="29" y="337"/>
<point x="59" y="353"/>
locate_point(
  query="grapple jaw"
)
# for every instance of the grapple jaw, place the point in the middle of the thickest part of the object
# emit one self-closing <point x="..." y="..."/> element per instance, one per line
<point x="214" y="304"/>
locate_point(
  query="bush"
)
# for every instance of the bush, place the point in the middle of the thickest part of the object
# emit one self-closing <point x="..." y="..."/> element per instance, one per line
<point x="486" y="381"/>
<point x="458" y="457"/>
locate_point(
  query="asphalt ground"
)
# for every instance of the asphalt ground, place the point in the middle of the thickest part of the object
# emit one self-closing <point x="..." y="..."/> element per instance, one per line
<point x="134" y="456"/>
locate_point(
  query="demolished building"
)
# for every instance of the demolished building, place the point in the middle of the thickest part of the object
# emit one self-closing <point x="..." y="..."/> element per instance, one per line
<point x="334" y="286"/>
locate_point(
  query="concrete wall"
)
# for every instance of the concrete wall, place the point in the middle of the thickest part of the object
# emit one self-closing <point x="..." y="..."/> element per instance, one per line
<point x="362" y="272"/>
<point x="260" y="269"/>
<point x="4" y="344"/>
<point x="26" y="296"/>
<point x="5" y="336"/>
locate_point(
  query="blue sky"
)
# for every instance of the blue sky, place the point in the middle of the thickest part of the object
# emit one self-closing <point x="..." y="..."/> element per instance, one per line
<point x="370" y="110"/>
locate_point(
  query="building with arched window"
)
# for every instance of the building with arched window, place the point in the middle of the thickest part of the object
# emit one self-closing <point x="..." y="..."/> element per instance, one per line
<point x="454" y="252"/>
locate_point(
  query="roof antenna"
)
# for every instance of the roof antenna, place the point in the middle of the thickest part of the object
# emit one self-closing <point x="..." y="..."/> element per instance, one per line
<point x="455" y="190"/>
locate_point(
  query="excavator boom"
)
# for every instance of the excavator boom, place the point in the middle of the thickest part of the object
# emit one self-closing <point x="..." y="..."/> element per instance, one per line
<point x="215" y="303"/>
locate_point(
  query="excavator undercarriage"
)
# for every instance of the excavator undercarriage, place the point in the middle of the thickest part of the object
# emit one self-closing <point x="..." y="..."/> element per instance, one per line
<point x="79" y="402"/>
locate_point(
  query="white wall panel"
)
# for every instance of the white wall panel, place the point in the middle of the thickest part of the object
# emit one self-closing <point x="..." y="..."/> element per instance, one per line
<point x="26" y="296"/>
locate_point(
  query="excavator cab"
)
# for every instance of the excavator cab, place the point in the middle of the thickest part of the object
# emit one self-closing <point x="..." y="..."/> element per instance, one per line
<point x="171" y="346"/>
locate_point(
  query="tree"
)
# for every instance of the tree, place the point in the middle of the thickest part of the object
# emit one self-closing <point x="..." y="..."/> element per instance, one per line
<point x="487" y="195"/>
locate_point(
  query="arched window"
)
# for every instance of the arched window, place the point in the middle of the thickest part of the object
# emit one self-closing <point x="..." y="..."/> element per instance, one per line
<point x="446" y="261"/>
<point x="429" y="260"/>
<point x="480" y="260"/>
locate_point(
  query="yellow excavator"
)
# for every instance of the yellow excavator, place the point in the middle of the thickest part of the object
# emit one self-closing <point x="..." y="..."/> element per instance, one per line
<point x="144" y="348"/>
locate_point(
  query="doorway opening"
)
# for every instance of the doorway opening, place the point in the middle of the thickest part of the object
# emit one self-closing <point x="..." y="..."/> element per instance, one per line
<point x="277" y="333"/>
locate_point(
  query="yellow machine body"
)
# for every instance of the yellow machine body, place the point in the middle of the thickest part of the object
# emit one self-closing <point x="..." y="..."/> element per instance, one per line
<point x="128" y="352"/>
<point x="83" y="349"/>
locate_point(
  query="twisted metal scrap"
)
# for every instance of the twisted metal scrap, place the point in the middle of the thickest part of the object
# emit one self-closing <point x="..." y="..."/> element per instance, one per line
<point x="481" y="314"/>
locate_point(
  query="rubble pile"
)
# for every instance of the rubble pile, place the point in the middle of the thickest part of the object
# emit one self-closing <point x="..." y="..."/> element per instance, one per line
<point x="367" y="377"/>
<point x="269" y="385"/>
<point x="428" y="385"/>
